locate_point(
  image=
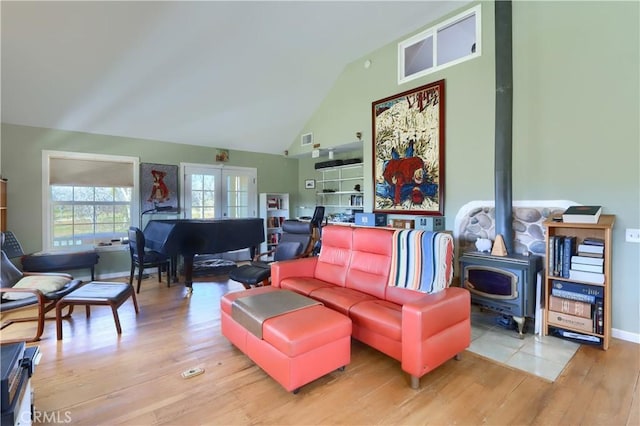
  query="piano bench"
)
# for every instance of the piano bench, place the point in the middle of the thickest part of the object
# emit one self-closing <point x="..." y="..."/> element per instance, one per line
<point x="60" y="261"/>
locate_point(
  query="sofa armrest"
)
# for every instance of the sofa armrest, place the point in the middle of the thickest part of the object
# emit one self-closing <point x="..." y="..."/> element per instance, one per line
<point x="435" y="328"/>
<point x="304" y="267"/>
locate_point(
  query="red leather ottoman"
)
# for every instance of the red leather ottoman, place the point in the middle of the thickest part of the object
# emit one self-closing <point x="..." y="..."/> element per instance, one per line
<point x="296" y="347"/>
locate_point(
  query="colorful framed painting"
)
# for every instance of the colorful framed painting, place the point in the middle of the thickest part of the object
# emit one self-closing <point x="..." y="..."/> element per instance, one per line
<point x="408" y="151"/>
<point x="158" y="187"/>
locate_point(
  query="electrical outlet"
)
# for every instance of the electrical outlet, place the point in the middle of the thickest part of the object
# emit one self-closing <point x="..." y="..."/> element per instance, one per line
<point x="632" y="235"/>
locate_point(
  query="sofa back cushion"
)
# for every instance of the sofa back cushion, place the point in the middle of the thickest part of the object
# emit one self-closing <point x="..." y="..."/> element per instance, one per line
<point x="335" y="254"/>
<point x="370" y="261"/>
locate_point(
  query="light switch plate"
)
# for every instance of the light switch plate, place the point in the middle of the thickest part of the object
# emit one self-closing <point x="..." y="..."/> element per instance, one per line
<point x="632" y="235"/>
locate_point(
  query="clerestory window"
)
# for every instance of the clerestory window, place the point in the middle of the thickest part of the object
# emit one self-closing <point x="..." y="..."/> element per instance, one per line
<point x="448" y="43"/>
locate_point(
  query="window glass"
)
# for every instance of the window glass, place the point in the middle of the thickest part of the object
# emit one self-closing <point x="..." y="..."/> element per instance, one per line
<point x="85" y="215"/>
<point x="448" y="43"/>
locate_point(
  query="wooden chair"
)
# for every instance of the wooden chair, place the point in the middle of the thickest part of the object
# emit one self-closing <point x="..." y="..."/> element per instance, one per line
<point x="142" y="258"/>
<point x="24" y="292"/>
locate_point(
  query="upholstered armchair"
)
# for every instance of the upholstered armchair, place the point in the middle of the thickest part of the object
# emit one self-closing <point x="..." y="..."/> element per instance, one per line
<point x="296" y="241"/>
<point x="27" y="296"/>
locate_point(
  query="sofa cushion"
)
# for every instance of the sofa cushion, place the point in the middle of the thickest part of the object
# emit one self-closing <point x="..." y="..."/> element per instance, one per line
<point x="335" y="254"/>
<point x="340" y="299"/>
<point x="370" y="261"/>
<point x="303" y="285"/>
<point x="400" y="296"/>
<point x="380" y="315"/>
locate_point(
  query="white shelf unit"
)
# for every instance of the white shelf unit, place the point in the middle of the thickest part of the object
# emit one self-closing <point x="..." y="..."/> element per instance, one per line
<point x="274" y="209"/>
<point x="336" y="188"/>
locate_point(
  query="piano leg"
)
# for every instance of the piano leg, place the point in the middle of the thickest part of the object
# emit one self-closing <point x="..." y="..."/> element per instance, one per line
<point x="174" y="268"/>
<point x="188" y="272"/>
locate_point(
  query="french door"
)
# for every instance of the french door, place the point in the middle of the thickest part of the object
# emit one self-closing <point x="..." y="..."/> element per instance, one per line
<point x="215" y="192"/>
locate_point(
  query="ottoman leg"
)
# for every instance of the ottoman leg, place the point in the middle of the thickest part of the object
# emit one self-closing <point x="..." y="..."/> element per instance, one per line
<point x="59" y="306"/>
<point x="116" y="318"/>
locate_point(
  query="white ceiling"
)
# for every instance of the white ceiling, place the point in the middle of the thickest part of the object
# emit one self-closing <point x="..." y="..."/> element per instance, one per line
<point x="239" y="75"/>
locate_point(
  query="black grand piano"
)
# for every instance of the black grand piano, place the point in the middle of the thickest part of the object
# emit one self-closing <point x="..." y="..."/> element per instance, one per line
<point x="188" y="237"/>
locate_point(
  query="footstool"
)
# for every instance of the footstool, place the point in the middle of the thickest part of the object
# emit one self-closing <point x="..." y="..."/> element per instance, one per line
<point x="294" y="347"/>
<point x="96" y="293"/>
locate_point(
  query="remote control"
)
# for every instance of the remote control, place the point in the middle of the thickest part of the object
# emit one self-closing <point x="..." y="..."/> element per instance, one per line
<point x="192" y="372"/>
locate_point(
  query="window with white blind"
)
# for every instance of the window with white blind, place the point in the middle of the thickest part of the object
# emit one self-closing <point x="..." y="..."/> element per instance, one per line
<point x="89" y="199"/>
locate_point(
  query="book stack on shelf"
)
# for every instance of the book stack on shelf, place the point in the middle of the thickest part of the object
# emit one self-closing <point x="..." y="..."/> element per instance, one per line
<point x="579" y="307"/>
<point x="581" y="262"/>
<point x="274" y="203"/>
<point x="274" y="238"/>
<point x="275" y="221"/>
<point x="588" y="264"/>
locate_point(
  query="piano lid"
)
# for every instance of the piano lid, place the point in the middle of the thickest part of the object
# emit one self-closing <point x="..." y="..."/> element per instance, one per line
<point x="197" y="236"/>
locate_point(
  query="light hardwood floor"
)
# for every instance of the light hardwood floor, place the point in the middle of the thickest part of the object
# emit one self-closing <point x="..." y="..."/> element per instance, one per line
<point x="95" y="377"/>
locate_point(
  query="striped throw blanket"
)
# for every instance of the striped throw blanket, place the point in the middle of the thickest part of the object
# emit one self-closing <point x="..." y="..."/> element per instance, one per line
<point x="421" y="260"/>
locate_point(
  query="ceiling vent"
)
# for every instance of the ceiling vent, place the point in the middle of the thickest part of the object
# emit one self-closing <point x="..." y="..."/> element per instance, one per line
<point x="306" y="139"/>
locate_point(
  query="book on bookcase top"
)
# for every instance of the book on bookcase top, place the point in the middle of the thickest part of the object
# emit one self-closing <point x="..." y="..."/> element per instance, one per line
<point x="582" y="214"/>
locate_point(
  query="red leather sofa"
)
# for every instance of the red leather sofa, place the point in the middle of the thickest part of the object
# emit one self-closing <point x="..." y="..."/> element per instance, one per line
<point x="351" y="274"/>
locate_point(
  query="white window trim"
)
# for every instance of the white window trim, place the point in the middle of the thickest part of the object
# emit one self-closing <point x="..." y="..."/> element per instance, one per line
<point x="46" y="191"/>
<point x="433" y="32"/>
<point x="208" y="167"/>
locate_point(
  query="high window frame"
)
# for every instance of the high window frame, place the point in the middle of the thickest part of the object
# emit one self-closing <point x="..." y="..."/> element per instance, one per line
<point x="451" y="42"/>
<point x="84" y="205"/>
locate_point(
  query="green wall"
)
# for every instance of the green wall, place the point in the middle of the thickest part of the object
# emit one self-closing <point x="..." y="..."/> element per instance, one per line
<point x="575" y="122"/>
<point x="22" y="164"/>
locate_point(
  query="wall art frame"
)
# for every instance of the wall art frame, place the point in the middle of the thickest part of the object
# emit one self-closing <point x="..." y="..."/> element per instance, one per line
<point x="310" y="184"/>
<point x="158" y="187"/>
<point x="408" y="151"/>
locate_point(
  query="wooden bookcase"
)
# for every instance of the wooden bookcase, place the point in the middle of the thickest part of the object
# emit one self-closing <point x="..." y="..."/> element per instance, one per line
<point x="274" y="209"/>
<point x="3" y="205"/>
<point x="603" y="230"/>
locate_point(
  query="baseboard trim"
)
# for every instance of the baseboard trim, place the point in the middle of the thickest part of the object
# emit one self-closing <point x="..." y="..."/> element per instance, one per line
<point x="625" y="335"/>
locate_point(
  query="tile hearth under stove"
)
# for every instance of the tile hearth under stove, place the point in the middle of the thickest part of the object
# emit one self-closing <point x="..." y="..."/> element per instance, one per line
<point x="503" y="295"/>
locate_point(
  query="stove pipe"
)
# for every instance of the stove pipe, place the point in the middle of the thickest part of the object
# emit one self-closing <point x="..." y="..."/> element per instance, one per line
<point x="504" y="123"/>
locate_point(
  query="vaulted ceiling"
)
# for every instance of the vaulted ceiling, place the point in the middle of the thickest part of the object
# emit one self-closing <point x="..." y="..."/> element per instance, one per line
<point x="237" y="74"/>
